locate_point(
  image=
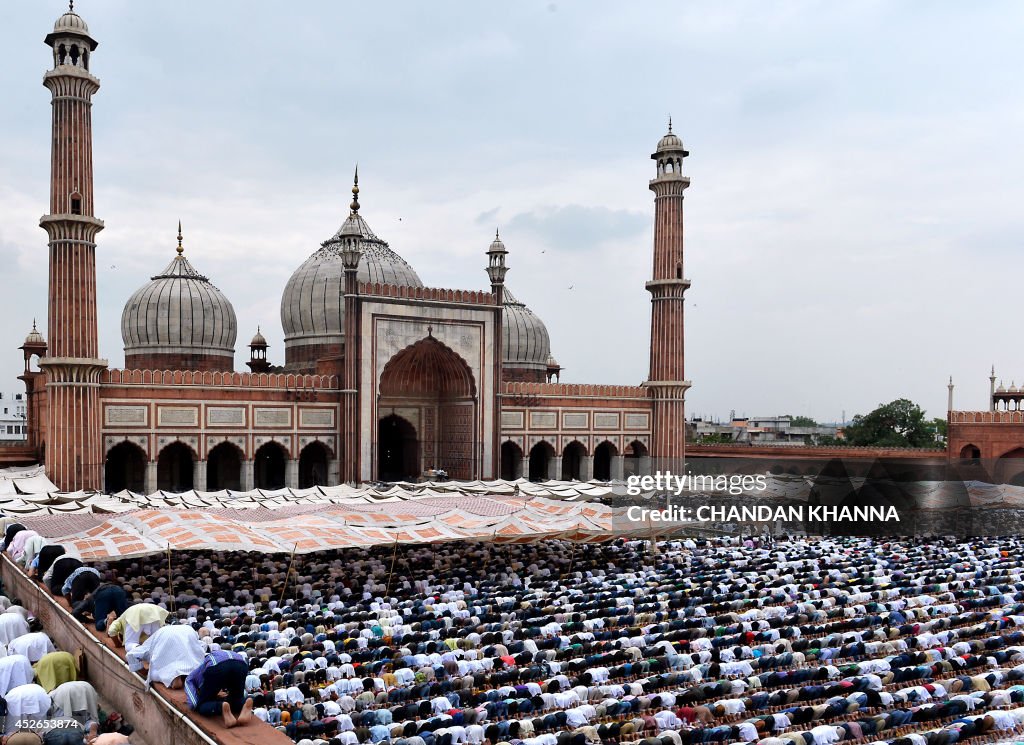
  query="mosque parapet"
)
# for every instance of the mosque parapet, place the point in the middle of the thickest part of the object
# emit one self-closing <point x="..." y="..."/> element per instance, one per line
<point x="435" y="294"/>
<point x="987" y="417"/>
<point x="209" y="378"/>
<point x="580" y="390"/>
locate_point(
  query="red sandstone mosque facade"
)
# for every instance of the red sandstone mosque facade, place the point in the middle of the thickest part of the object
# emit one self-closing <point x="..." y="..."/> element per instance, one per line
<point x="382" y="377"/>
<point x="990" y="444"/>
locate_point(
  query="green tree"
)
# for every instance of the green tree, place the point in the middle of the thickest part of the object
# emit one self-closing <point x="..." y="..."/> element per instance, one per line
<point x="829" y="441"/>
<point x="938" y="429"/>
<point x="714" y="438"/>
<point x="900" y="423"/>
<point x="802" y="421"/>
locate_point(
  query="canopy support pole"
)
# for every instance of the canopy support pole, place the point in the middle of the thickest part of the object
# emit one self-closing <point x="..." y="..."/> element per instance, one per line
<point x="288" y="575"/>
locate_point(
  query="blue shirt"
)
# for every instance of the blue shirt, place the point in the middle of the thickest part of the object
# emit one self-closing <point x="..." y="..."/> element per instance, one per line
<point x="194" y="681"/>
<point x="66" y="587"/>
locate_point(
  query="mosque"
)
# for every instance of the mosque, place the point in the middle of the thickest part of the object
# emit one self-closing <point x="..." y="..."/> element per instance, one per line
<point x="382" y="377"/>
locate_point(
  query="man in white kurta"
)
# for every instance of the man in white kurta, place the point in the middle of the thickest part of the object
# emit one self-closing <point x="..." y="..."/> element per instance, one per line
<point x="27" y="701"/>
<point x="12" y="625"/>
<point x="73" y="697"/>
<point x="35" y="646"/>
<point x="15" y="670"/>
<point x="172" y="652"/>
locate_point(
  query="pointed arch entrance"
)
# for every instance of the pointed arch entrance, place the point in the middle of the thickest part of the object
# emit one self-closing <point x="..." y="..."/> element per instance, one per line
<point x="1010" y="468"/>
<point x="175" y="468"/>
<point x="269" y="466"/>
<point x="427" y="413"/>
<point x="572" y="461"/>
<point x="398" y="454"/>
<point x="635" y="457"/>
<point x="540" y="461"/>
<point x="313" y="465"/>
<point x="603" y="455"/>
<point x="125" y="468"/>
<point x="224" y="467"/>
<point x="511" y="461"/>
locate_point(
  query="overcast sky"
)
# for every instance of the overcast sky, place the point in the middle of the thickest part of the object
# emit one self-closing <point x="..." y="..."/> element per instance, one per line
<point x="854" y="228"/>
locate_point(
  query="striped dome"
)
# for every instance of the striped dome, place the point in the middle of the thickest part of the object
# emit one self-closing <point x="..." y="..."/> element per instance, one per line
<point x="313" y="304"/>
<point x="179" y="312"/>
<point x="70" y="22"/>
<point x="527" y="344"/>
<point x="71" y="28"/>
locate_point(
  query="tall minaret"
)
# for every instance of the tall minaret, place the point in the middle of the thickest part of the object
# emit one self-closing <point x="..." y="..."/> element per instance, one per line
<point x="350" y="237"/>
<point x="496" y="271"/>
<point x="73" y="455"/>
<point x="992" y="390"/>
<point x="667" y="384"/>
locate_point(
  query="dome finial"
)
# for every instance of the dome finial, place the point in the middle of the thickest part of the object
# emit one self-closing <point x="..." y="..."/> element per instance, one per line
<point x="355" y="192"/>
<point x="71" y="6"/>
<point x="670" y="124"/>
<point x="179" y="249"/>
<point x="496" y="236"/>
<point x="34" y="325"/>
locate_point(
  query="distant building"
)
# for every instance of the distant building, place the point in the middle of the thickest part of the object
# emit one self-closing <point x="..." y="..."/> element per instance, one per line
<point x="989" y="445"/>
<point x="763" y="430"/>
<point x="12" y="417"/>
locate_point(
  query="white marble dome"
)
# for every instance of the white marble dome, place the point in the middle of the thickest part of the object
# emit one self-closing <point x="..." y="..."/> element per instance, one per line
<point x="670" y="142"/>
<point x="313" y="304"/>
<point x="34" y="337"/>
<point x="526" y="340"/>
<point x="179" y="311"/>
<point x="258" y="339"/>
<point x="71" y="22"/>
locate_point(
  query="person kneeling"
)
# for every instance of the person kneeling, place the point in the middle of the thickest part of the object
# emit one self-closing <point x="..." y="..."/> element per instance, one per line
<point x="220" y="672"/>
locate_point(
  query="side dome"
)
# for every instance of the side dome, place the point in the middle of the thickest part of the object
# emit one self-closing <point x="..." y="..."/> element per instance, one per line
<point x="527" y="346"/>
<point x="179" y="321"/>
<point x="313" y="303"/>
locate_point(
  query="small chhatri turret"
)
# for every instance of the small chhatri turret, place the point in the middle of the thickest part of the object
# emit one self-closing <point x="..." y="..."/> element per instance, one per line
<point x="496" y="269"/>
<point x="258" y="353"/>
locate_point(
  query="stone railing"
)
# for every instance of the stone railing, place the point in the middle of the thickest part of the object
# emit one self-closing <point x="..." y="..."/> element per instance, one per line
<point x="986" y="417"/>
<point x="573" y="390"/>
<point x="434" y="294"/>
<point x="212" y="379"/>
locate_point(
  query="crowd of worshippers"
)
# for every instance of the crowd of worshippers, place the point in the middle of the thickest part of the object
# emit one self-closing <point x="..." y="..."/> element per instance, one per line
<point x="41" y="693"/>
<point x="43" y="700"/>
<point x="801" y="641"/>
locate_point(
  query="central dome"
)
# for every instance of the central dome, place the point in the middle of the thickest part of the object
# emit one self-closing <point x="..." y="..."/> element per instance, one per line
<point x="313" y="304"/>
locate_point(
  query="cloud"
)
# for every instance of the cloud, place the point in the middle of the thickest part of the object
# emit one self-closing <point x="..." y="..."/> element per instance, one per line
<point x="851" y="230"/>
<point x="577" y="227"/>
<point x="488" y="217"/>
